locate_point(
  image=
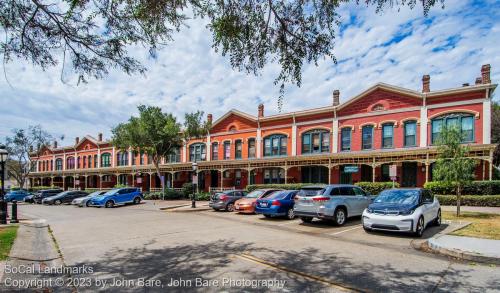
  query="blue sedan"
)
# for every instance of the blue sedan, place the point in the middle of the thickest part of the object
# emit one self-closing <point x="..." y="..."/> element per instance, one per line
<point x="17" y="195"/>
<point x="119" y="196"/>
<point x="279" y="203"/>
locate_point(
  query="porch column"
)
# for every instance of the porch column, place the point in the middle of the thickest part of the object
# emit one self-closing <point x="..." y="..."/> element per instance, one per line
<point x="329" y="174"/>
<point x="373" y="172"/>
<point x="286" y="172"/>
<point x="426" y="172"/>
<point x="221" y="178"/>
<point x="150" y="181"/>
<point x="74" y="182"/>
<point x="490" y="165"/>
<point x="64" y="182"/>
<point x="100" y="181"/>
<point x="85" y="184"/>
<point x="51" y="180"/>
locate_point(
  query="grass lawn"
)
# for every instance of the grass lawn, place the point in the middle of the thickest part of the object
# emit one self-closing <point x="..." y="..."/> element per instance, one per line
<point x="483" y="225"/>
<point x="7" y="237"/>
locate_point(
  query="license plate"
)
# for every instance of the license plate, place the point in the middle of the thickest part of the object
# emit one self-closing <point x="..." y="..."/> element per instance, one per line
<point x="263" y="204"/>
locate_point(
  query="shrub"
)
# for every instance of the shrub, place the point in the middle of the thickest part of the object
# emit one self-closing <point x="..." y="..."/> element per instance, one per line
<point x="169" y="194"/>
<point x="472" y="188"/>
<point x="203" y="196"/>
<point x="291" y="186"/>
<point x="187" y="189"/>
<point x="471" y="200"/>
<point x="376" y="187"/>
<point x="120" y="186"/>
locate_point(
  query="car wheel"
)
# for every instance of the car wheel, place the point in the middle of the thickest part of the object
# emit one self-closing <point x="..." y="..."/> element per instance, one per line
<point x="367" y="229"/>
<point x="419" y="230"/>
<point x="87" y="204"/>
<point x="290" y="214"/>
<point x="306" y="219"/>
<point x="110" y="204"/>
<point x="216" y="210"/>
<point x="267" y="216"/>
<point x="230" y="207"/>
<point x="137" y="200"/>
<point x="437" y="221"/>
<point x="57" y="202"/>
<point x="340" y="216"/>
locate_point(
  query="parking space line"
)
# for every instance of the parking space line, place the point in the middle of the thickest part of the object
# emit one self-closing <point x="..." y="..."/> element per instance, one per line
<point x="346" y="230"/>
<point x="336" y="285"/>
<point x="287" y="223"/>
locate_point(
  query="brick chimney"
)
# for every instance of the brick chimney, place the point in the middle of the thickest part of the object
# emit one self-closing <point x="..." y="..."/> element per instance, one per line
<point x="336" y="97"/>
<point x="77" y="140"/>
<point x="209" y="119"/>
<point x="479" y="80"/>
<point x="261" y="110"/>
<point x="54" y="144"/>
<point x="99" y="136"/>
<point x="485" y="73"/>
<point x="465" y="84"/>
<point x="426" y="83"/>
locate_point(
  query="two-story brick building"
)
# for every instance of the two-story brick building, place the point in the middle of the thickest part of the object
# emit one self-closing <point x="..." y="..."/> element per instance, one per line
<point x="342" y="143"/>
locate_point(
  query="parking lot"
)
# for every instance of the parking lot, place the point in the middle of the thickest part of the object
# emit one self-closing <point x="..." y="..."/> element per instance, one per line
<point x="143" y="241"/>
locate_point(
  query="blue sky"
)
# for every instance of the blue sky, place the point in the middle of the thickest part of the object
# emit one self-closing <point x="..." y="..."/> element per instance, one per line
<point x="395" y="47"/>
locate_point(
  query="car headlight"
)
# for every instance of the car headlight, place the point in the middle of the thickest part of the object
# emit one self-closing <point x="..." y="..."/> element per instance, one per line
<point x="369" y="210"/>
<point x="407" y="212"/>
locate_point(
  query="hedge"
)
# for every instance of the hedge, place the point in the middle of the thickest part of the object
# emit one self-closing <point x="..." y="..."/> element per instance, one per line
<point x="169" y="194"/>
<point x="375" y="188"/>
<point x="470" y="200"/>
<point x="291" y="186"/>
<point x="472" y="188"/>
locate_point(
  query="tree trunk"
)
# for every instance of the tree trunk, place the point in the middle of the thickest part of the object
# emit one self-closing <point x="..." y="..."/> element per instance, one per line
<point x="157" y="168"/>
<point x="459" y="197"/>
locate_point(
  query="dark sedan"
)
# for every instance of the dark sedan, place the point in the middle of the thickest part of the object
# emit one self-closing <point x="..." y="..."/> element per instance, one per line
<point x="225" y="200"/>
<point x="40" y="195"/>
<point x="64" y="197"/>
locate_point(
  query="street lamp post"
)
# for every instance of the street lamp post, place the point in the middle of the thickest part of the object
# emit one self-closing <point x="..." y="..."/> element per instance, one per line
<point x="3" y="204"/>
<point x="195" y="181"/>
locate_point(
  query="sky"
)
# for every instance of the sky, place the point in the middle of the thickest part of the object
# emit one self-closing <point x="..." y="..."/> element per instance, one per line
<point x="396" y="46"/>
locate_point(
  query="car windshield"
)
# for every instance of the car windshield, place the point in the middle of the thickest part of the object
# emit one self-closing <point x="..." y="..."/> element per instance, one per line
<point x="277" y="195"/>
<point x="62" y="193"/>
<point x="397" y="196"/>
<point x="112" y="192"/>
<point x="255" y="194"/>
<point x="311" y="191"/>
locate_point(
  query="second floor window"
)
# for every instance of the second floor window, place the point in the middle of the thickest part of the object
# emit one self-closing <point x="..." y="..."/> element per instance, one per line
<point x="134" y="154"/>
<point x="59" y="164"/>
<point x="462" y="122"/>
<point x="84" y="162"/>
<point x="122" y="159"/>
<point x="367" y="137"/>
<point x="410" y="130"/>
<point x="387" y="135"/>
<point x="95" y="161"/>
<point x="215" y="151"/>
<point x="345" y="139"/>
<point x="70" y="163"/>
<point x="316" y="141"/>
<point x="197" y="152"/>
<point x="251" y="148"/>
<point x="275" y="145"/>
<point x="238" y="145"/>
<point x="106" y="160"/>
<point x="227" y="150"/>
<point x="90" y="161"/>
<point x="175" y="156"/>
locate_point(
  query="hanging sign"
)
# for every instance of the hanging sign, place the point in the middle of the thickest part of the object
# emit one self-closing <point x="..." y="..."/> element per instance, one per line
<point x="351" y="169"/>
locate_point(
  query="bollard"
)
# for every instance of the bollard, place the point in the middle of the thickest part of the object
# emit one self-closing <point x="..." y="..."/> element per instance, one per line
<point x="13" y="218"/>
<point x="3" y="212"/>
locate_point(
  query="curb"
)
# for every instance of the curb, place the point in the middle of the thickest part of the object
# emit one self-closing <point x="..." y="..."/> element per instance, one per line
<point x="460" y="254"/>
<point x="189" y="210"/>
<point x="174" y="207"/>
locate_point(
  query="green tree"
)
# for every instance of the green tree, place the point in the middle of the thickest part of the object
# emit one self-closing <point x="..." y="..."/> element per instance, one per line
<point x="25" y="147"/>
<point x="453" y="166"/>
<point x="95" y="35"/>
<point x="156" y="133"/>
<point x="195" y="125"/>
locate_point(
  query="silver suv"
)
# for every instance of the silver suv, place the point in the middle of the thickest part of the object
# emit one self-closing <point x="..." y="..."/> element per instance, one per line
<point x="334" y="202"/>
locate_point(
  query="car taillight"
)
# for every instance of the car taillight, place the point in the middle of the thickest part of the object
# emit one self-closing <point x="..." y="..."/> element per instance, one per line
<point x="222" y="197"/>
<point x="321" y="198"/>
<point x="276" y="203"/>
<point x="296" y="198"/>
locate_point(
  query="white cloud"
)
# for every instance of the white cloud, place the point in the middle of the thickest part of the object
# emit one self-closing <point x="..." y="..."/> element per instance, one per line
<point x="188" y="75"/>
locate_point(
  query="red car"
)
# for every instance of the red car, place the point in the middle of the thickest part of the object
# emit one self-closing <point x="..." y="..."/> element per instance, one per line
<point x="246" y="205"/>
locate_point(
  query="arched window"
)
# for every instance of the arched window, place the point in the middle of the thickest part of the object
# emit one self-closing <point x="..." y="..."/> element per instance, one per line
<point x="95" y="161"/>
<point x="275" y="145"/>
<point x="84" y="162"/>
<point x="78" y="166"/>
<point x="388" y="135"/>
<point x="90" y="161"/>
<point x="251" y="148"/>
<point x="122" y="159"/>
<point x="106" y="160"/>
<point x="175" y="157"/>
<point x="345" y="139"/>
<point x="197" y="152"/>
<point x="59" y="164"/>
<point x="410" y="129"/>
<point x="367" y="137"/>
<point x="316" y="141"/>
<point x="70" y="163"/>
<point x="227" y="150"/>
<point x="215" y="151"/>
<point x="464" y="122"/>
<point x="238" y="148"/>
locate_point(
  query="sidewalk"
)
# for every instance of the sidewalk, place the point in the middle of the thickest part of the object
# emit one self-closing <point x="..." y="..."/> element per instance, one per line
<point x="200" y="206"/>
<point x="467" y="248"/>
<point x="489" y="210"/>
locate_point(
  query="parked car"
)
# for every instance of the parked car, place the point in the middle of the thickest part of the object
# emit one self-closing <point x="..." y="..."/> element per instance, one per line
<point x="118" y="196"/>
<point x="246" y="204"/>
<point x="85" y="201"/>
<point x="64" y="197"/>
<point x="335" y="202"/>
<point x="40" y="195"/>
<point x="225" y="200"/>
<point x="279" y="203"/>
<point x="403" y="209"/>
<point x="17" y="195"/>
<point x="29" y="198"/>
